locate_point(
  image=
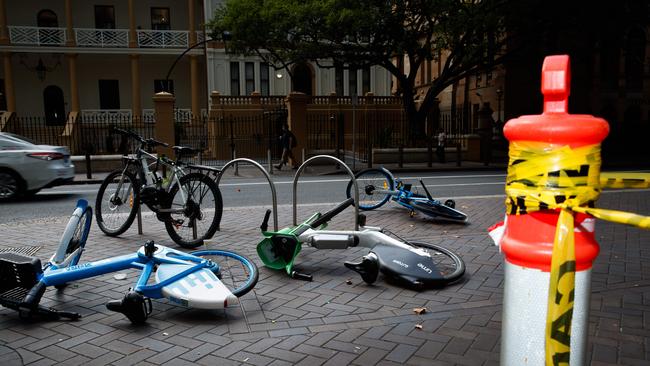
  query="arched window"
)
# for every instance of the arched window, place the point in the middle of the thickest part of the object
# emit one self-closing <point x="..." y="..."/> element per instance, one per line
<point x="47" y="18"/>
<point x="634" y="59"/>
<point x="54" y="105"/>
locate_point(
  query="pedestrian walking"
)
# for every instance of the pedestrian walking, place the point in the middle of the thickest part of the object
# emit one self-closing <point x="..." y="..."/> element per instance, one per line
<point x="288" y="142"/>
<point x="440" y="148"/>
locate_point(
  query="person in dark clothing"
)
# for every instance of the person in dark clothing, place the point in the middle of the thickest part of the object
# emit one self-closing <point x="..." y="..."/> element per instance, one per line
<point x="288" y="142"/>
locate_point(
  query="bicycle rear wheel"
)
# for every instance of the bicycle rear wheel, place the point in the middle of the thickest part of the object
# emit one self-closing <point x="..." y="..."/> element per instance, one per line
<point x="117" y="203"/>
<point x="238" y="273"/>
<point x="199" y="207"/>
<point x="450" y="266"/>
<point x="439" y="211"/>
<point x="368" y="181"/>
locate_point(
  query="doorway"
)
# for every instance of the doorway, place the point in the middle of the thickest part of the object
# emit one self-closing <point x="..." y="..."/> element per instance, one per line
<point x="54" y="106"/>
<point x="302" y="79"/>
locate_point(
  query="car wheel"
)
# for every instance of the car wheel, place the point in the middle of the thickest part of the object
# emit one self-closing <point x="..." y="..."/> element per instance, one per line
<point x="10" y="185"/>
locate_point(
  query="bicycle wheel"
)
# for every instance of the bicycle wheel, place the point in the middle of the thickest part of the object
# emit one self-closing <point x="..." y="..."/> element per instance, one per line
<point x="368" y="181"/>
<point x="117" y="203"/>
<point x="200" y="206"/>
<point x="238" y="273"/>
<point x="449" y="265"/>
<point x="438" y="211"/>
<point x="74" y="237"/>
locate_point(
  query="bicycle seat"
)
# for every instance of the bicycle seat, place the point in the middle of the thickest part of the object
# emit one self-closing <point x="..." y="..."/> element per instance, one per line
<point x="185" y="151"/>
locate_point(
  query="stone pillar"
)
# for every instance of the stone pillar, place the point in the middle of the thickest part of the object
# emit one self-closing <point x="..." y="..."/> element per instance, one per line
<point x="164" y="117"/>
<point x="297" y="118"/>
<point x="133" y="36"/>
<point x="256" y="98"/>
<point x="191" y="22"/>
<point x="69" y="28"/>
<point x="194" y="86"/>
<point x="74" y="87"/>
<point x="215" y="99"/>
<point x="4" y="32"/>
<point x="10" y="95"/>
<point x="136" y="106"/>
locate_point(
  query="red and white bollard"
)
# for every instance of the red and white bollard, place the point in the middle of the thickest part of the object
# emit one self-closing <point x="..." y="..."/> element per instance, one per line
<point x="528" y="238"/>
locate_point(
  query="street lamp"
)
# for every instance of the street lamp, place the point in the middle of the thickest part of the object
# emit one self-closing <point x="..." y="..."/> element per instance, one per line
<point x="225" y="37"/>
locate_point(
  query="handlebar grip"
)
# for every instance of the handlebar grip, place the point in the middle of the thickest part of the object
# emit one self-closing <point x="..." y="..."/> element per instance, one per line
<point x="301" y="276"/>
<point x="327" y="216"/>
<point x="265" y="222"/>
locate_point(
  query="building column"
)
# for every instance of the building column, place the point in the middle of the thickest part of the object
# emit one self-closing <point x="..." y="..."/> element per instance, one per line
<point x="70" y="39"/>
<point x="74" y="86"/>
<point x="4" y="31"/>
<point x="192" y="24"/>
<point x="194" y="85"/>
<point x="136" y="106"/>
<point x="10" y="96"/>
<point x="133" y="36"/>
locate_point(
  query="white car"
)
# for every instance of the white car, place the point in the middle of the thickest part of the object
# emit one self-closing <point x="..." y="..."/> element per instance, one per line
<point x="26" y="168"/>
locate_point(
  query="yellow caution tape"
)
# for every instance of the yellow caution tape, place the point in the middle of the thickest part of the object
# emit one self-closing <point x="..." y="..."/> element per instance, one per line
<point x="548" y="177"/>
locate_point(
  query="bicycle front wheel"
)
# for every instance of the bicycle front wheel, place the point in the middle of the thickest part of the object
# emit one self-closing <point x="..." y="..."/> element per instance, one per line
<point x="117" y="203"/>
<point x="449" y="265"/>
<point x="238" y="273"/>
<point x="370" y="180"/>
<point x="196" y="207"/>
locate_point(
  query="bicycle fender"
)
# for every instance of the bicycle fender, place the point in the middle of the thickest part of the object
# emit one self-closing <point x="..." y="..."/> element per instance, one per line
<point x="408" y="267"/>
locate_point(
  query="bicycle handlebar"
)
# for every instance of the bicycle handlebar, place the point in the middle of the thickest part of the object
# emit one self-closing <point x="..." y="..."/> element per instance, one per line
<point x="327" y="216"/>
<point x="149" y="142"/>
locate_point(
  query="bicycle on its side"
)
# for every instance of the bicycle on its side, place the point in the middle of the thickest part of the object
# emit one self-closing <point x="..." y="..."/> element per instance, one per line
<point x="414" y="264"/>
<point x="206" y="279"/>
<point x="187" y="200"/>
<point x="377" y="186"/>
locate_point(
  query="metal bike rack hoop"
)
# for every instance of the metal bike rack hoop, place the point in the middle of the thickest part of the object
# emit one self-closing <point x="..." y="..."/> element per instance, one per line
<point x="354" y="181"/>
<point x="268" y="178"/>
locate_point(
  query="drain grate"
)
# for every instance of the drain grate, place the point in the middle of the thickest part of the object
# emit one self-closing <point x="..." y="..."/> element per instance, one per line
<point x="26" y="250"/>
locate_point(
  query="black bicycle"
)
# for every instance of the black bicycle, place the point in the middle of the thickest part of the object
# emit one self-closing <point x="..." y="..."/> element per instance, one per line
<point x="187" y="200"/>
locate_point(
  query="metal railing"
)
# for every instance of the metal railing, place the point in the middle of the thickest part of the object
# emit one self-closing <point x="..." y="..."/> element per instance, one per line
<point x="181" y="115"/>
<point x="39" y="36"/>
<point x="163" y="38"/>
<point x="108" y="115"/>
<point x="89" y="37"/>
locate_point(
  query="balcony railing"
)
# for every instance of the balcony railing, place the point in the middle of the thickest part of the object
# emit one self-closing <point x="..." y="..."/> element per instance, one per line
<point x="180" y="115"/>
<point x="163" y="38"/>
<point x="102" y="38"/>
<point x="39" y="36"/>
<point x="106" y="115"/>
<point x="88" y="37"/>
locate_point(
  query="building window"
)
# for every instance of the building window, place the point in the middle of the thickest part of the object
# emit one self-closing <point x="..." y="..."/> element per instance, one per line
<point x="352" y="80"/>
<point x="249" y="75"/>
<point x="365" y="80"/>
<point x="109" y="94"/>
<point x="338" y="77"/>
<point x="634" y="60"/>
<point x="264" y="78"/>
<point x="160" y="19"/>
<point x="104" y="17"/>
<point x="47" y="18"/>
<point x="162" y="85"/>
<point x="234" y="78"/>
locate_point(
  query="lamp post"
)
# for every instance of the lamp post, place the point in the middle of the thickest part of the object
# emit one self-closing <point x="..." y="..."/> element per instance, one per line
<point x="499" y="96"/>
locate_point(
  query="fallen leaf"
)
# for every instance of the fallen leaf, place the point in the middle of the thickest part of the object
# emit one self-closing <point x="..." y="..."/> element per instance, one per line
<point x="418" y="326"/>
<point x="420" y="311"/>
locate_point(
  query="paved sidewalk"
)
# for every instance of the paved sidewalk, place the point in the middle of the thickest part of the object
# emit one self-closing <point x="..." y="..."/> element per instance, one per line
<point x="328" y="321"/>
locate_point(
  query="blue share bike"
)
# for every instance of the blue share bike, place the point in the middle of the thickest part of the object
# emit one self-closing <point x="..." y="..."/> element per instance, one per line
<point x="377" y="186"/>
<point x="206" y="279"/>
